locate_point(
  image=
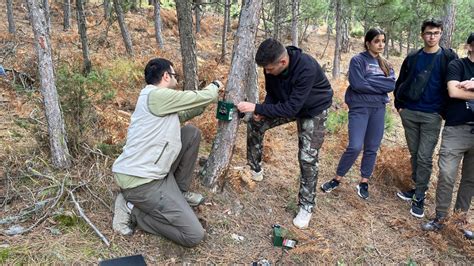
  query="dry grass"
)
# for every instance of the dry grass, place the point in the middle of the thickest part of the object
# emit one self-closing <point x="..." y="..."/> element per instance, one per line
<point x="344" y="229"/>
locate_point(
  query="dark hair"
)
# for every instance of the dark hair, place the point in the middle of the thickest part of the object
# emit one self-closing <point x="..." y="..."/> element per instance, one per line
<point x="269" y="52"/>
<point x="155" y="69"/>
<point x="371" y="34"/>
<point x="434" y="23"/>
<point x="383" y="63"/>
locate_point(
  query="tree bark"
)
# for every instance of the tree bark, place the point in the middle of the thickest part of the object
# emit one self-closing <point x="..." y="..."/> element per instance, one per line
<point x="56" y="129"/>
<point x="242" y="62"/>
<point x="345" y="40"/>
<point x="188" y="43"/>
<point x="449" y="23"/>
<point x="276" y="19"/>
<point x="336" y="72"/>
<point x="224" y="30"/>
<point x="127" y="40"/>
<point x="197" y="14"/>
<point x="47" y="16"/>
<point x="157" y="16"/>
<point x="107" y="9"/>
<point x="67" y="15"/>
<point x="11" y="20"/>
<point x="82" y="28"/>
<point x="295" y="7"/>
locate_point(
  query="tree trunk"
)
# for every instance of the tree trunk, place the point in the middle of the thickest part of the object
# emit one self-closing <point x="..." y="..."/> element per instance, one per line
<point x="188" y="43"/>
<point x="67" y="15"/>
<point x="337" y="50"/>
<point x="224" y="30"/>
<point x="11" y="20"/>
<point x="56" y="129"/>
<point x="449" y="23"/>
<point x="229" y="25"/>
<point x="197" y="14"/>
<point x="295" y="7"/>
<point x="242" y="62"/>
<point x="47" y="16"/>
<point x="265" y="25"/>
<point x="409" y="40"/>
<point x="345" y="41"/>
<point x="127" y="40"/>
<point x="82" y="27"/>
<point x="387" y="44"/>
<point x="107" y="9"/>
<point x="133" y="6"/>
<point x="156" y="13"/>
<point x="276" y="19"/>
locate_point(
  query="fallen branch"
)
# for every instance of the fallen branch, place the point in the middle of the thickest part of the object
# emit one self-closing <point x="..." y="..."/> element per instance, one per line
<point x="81" y="213"/>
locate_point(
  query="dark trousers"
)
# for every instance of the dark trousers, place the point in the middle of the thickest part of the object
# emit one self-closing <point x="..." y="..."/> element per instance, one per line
<point x="366" y="127"/>
<point x="422" y="134"/>
<point x="310" y="139"/>
<point x="457" y="144"/>
<point x="159" y="206"/>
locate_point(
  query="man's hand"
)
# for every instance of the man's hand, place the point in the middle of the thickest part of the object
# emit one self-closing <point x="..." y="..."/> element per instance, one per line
<point x="246" y="107"/>
<point x="467" y="85"/>
<point x="258" y="118"/>
<point x="221" y="86"/>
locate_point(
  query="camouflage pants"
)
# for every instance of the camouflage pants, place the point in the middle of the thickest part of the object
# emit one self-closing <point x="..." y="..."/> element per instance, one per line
<point x="310" y="139"/>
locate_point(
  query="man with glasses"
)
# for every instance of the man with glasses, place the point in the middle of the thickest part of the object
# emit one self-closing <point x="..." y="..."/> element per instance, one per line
<point x="155" y="169"/>
<point x="457" y="142"/>
<point x="420" y="98"/>
<point x="297" y="90"/>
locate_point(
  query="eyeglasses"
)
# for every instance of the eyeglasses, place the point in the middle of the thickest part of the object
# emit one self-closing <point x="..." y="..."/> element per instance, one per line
<point x="176" y="76"/>
<point x="432" y="33"/>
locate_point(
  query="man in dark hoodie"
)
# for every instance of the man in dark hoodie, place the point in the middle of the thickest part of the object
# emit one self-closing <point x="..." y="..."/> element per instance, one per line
<point x="297" y="90"/>
<point x="420" y="98"/>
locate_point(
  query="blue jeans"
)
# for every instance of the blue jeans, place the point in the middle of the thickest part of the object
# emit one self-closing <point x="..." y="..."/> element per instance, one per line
<point x="366" y="127"/>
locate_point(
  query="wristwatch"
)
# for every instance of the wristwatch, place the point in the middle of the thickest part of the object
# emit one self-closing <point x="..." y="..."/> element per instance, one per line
<point x="216" y="83"/>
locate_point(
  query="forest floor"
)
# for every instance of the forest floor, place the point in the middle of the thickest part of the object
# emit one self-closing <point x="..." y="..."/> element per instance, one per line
<point x="239" y="216"/>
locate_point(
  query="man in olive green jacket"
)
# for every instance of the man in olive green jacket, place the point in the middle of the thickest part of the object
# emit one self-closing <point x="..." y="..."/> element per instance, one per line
<point x="156" y="166"/>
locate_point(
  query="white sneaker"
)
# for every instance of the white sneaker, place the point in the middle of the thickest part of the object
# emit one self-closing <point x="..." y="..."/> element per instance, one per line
<point x="193" y="199"/>
<point x="257" y="176"/>
<point x="302" y="219"/>
<point x="122" y="216"/>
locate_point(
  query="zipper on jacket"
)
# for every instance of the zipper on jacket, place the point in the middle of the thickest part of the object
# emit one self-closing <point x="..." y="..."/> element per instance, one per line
<point x="162" y="151"/>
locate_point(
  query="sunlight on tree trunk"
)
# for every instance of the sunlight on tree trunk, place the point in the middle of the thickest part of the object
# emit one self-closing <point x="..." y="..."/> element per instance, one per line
<point x="242" y="62"/>
<point x="56" y="129"/>
<point x="225" y="29"/>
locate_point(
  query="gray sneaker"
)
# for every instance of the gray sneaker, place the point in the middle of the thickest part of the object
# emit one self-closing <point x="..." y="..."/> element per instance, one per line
<point x="121" y="222"/>
<point x="194" y="199"/>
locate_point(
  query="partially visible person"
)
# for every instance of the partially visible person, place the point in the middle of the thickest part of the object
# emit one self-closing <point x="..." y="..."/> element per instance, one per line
<point x="297" y="90"/>
<point x="457" y="142"/>
<point x="156" y="166"/>
<point x="420" y="98"/>
<point x="371" y="77"/>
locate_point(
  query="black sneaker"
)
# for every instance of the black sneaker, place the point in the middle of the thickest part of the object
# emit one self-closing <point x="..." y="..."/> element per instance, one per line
<point x="330" y="185"/>
<point x="417" y="207"/>
<point x="433" y="225"/>
<point x="363" y="190"/>
<point x="408" y="195"/>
